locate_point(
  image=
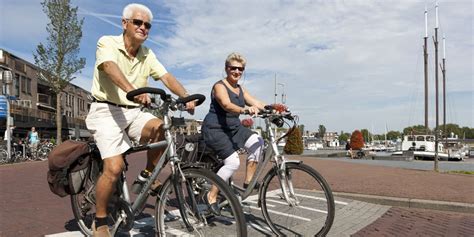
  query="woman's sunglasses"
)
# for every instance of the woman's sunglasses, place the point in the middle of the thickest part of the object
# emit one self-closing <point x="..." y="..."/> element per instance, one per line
<point x="139" y="23"/>
<point x="233" y="68"/>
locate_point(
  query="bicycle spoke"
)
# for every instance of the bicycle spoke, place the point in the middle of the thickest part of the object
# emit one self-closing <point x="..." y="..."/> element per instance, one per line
<point x="310" y="207"/>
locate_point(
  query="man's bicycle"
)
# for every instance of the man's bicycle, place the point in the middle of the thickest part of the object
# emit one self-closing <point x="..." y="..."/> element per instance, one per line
<point x="294" y="198"/>
<point x="182" y="194"/>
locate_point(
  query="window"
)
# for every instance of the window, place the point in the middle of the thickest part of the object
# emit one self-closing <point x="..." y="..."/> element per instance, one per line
<point x="19" y="66"/>
<point x="28" y="85"/>
<point x="17" y="85"/>
<point x="23" y="84"/>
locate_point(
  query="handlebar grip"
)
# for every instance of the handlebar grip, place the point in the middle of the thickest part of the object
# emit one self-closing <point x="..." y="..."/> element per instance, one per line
<point x="200" y="99"/>
<point x="151" y="90"/>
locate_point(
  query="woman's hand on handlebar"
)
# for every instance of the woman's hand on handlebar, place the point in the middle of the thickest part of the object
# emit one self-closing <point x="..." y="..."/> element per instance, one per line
<point x="279" y="108"/>
<point x="252" y="110"/>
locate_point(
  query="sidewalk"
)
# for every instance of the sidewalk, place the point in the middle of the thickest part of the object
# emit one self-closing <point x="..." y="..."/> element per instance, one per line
<point x="397" y="186"/>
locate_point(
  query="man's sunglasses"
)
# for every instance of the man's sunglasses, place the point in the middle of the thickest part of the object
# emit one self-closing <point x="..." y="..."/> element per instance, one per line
<point x="233" y="68"/>
<point x="139" y="23"/>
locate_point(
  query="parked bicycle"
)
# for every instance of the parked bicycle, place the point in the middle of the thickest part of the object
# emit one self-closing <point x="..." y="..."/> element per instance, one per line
<point x="294" y="198"/>
<point x="180" y="194"/>
<point x="16" y="154"/>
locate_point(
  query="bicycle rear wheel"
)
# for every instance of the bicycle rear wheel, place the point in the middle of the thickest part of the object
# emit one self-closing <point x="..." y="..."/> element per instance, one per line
<point x="312" y="210"/>
<point x="195" y="217"/>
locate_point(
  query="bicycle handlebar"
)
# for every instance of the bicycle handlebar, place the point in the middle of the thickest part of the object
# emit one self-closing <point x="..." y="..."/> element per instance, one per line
<point x="151" y="90"/>
<point x="200" y="98"/>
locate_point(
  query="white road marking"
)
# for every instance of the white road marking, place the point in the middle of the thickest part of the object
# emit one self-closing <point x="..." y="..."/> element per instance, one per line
<point x="283" y="214"/>
<point x="302" y="207"/>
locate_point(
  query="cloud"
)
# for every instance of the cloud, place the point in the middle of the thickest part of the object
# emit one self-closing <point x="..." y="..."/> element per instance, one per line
<point x="345" y="64"/>
<point x="337" y="59"/>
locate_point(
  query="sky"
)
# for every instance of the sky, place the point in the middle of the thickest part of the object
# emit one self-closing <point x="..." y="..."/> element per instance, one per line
<point x="343" y="64"/>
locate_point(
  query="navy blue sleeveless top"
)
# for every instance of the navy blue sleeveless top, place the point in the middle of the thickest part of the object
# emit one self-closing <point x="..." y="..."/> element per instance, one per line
<point x="218" y="116"/>
<point x="222" y="130"/>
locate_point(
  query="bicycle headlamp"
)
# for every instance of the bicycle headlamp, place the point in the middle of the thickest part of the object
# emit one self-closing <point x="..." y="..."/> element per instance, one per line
<point x="278" y="122"/>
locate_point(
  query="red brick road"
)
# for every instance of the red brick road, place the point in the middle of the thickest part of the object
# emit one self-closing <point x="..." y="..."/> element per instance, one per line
<point x="28" y="208"/>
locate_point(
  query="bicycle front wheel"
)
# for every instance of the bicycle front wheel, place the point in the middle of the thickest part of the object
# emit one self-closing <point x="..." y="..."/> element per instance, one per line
<point x="185" y="199"/>
<point x="307" y="209"/>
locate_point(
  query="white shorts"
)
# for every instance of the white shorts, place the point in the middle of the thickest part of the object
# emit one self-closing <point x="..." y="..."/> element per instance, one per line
<point x="112" y="127"/>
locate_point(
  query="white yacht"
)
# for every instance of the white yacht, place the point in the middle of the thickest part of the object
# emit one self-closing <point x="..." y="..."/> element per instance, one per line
<point x="423" y="147"/>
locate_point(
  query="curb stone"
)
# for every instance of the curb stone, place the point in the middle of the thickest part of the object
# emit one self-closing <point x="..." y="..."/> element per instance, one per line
<point x="410" y="202"/>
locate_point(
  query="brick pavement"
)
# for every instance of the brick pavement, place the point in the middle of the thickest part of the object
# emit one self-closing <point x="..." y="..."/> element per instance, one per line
<point x="419" y="222"/>
<point x="355" y="216"/>
<point x="29" y="209"/>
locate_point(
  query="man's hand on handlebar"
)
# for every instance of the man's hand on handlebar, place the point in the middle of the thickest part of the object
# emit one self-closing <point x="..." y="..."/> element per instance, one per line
<point x="143" y="99"/>
<point x="190" y="107"/>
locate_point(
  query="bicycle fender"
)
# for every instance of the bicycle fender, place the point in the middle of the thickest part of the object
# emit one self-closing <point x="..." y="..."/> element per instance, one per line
<point x="293" y="161"/>
<point x="193" y="165"/>
<point x="264" y="182"/>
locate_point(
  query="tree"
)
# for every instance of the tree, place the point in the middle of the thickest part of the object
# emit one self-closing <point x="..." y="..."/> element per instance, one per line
<point x="416" y="130"/>
<point x="321" y="131"/>
<point x="58" y="58"/>
<point x="366" y="134"/>
<point x="392" y="135"/>
<point x="294" y="143"/>
<point x="344" y="136"/>
<point x="357" y="140"/>
<point x="467" y="133"/>
<point x="451" y="128"/>
<point x="301" y="127"/>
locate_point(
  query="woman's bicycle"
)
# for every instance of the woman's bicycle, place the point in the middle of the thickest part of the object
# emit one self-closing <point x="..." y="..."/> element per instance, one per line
<point x="294" y="198"/>
<point x="182" y="194"/>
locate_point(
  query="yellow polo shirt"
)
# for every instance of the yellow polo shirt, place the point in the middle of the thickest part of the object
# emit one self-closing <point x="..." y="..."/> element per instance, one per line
<point x="136" y="70"/>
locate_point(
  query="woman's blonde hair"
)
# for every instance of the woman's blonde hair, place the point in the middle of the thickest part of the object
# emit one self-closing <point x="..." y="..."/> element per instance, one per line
<point x="235" y="57"/>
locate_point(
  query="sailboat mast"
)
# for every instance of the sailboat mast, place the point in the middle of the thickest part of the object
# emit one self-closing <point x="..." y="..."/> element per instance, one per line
<point x="443" y="70"/>
<point x="436" y="89"/>
<point x="425" y="50"/>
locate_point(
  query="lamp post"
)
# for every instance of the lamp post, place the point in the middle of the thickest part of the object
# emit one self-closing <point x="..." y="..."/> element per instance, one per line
<point x="7" y="80"/>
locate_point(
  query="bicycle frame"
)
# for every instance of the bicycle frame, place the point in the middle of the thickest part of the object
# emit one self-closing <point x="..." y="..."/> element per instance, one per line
<point x="169" y="154"/>
<point x="271" y="153"/>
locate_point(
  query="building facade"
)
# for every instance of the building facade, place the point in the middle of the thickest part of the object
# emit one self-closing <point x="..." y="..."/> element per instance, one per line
<point x="33" y="103"/>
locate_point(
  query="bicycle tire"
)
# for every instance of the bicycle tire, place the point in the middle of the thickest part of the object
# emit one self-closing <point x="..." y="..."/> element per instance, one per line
<point x="83" y="207"/>
<point x="83" y="203"/>
<point x="314" y="213"/>
<point x="3" y="156"/>
<point x="196" y="184"/>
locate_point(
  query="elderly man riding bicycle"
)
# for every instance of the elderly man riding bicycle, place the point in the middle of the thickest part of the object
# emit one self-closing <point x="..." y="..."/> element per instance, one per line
<point x="122" y="65"/>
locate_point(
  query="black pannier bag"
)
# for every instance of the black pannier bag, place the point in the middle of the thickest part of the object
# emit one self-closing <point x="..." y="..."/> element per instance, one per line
<point x="193" y="150"/>
<point x="69" y="165"/>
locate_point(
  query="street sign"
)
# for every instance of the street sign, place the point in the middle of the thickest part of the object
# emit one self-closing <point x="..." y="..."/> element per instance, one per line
<point x="3" y="106"/>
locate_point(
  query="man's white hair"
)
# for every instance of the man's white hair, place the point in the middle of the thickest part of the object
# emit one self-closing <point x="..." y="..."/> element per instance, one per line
<point x="132" y="7"/>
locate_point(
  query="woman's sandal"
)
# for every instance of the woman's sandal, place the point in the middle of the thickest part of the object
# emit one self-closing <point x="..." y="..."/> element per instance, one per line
<point x="213" y="207"/>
